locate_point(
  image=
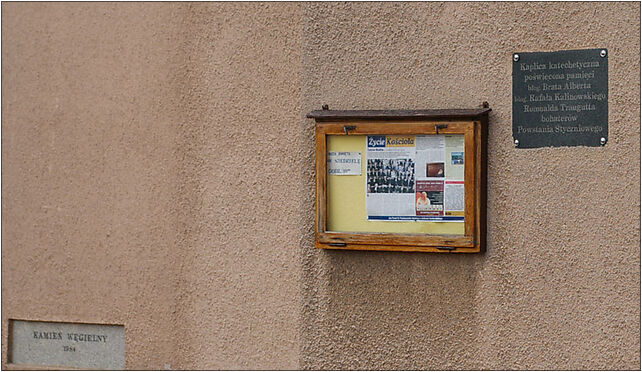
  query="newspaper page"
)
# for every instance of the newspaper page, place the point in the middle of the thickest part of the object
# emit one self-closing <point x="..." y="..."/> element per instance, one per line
<point x="454" y="180"/>
<point x="440" y="177"/>
<point x="390" y="178"/>
<point x="415" y="178"/>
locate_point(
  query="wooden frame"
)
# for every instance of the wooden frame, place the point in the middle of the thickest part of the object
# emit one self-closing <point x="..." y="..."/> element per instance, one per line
<point x="473" y="124"/>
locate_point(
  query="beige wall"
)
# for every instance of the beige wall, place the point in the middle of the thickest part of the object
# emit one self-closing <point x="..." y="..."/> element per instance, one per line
<point x="559" y="286"/>
<point x="134" y="188"/>
<point x="158" y="173"/>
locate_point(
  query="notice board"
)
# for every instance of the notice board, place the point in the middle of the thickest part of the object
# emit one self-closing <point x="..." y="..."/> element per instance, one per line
<point x="400" y="180"/>
<point x="392" y="200"/>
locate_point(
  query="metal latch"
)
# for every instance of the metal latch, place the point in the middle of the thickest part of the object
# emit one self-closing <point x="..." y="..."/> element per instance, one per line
<point x="440" y="126"/>
<point x="447" y="248"/>
<point x="346" y="128"/>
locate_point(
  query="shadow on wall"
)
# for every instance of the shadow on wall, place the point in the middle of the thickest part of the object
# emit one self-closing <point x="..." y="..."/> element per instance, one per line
<point x="400" y="310"/>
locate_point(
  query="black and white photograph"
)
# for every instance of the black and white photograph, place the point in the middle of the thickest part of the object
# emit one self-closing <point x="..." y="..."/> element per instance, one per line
<point x="391" y="176"/>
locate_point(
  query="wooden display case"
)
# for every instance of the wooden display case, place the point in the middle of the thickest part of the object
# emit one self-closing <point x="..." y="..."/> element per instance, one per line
<point x="414" y="165"/>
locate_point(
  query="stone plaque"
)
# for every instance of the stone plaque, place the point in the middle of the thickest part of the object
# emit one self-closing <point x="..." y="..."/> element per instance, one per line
<point x="87" y="346"/>
<point x="560" y="98"/>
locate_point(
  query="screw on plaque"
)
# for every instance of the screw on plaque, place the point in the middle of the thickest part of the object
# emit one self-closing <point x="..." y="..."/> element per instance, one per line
<point x="515" y="57"/>
<point x="516" y="143"/>
<point x="324" y="107"/>
<point x="602" y="141"/>
<point x="603" y="53"/>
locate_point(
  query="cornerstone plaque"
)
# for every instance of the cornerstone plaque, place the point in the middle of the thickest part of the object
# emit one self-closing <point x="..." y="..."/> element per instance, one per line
<point x="560" y="98"/>
<point x="86" y="346"/>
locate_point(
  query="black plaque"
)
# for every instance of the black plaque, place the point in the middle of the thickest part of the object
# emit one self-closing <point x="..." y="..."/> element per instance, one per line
<point x="560" y="98"/>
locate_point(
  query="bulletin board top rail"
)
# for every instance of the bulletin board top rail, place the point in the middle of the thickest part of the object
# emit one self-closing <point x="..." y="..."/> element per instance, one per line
<point x="410" y="115"/>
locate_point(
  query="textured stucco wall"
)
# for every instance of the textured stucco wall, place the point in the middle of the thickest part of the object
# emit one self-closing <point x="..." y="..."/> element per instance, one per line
<point x="158" y="173"/>
<point x="559" y="285"/>
<point x="240" y="267"/>
<point x="90" y="210"/>
<point x="146" y="180"/>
